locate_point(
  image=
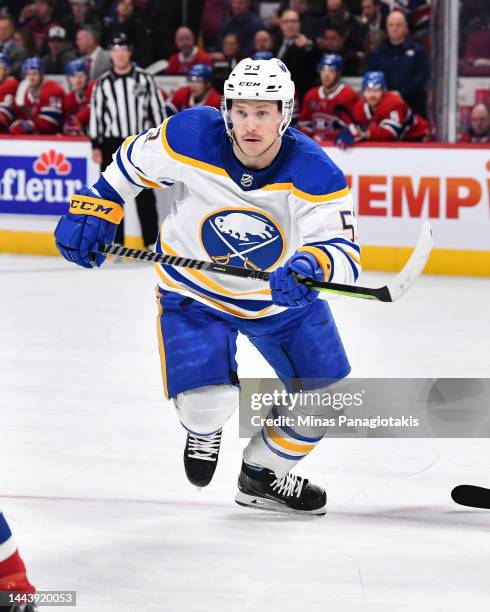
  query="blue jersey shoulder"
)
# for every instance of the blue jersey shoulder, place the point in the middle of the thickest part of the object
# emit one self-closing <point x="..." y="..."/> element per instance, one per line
<point x="196" y="133"/>
<point x="309" y="168"/>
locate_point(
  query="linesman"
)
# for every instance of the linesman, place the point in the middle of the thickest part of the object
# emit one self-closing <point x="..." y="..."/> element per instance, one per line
<point x="126" y="101"/>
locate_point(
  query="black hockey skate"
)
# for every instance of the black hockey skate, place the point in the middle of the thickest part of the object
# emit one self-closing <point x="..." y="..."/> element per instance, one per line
<point x="292" y="494"/>
<point x="201" y="457"/>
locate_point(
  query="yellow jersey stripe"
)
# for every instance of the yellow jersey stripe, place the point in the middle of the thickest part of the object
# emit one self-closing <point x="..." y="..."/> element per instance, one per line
<point x="307" y="196"/>
<point x="161" y="348"/>
<point x="188" y="160"/>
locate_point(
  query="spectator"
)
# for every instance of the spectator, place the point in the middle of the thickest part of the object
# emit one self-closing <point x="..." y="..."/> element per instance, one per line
<point x="373" y="15"/>
<point x="417" y="13"/>
<point x="243" y="23"/>
<point x="307" y="16"/>
<point x="8" y="87"/>
<point x="403" y="63"/>
<point x="81" y="14"/>
<point x="199" y="92"/>
<point x="298" y="53"/>
<point x="77" y="101"/>
<point x="59" y="54"/>
<point x="39" y="108"/>
<point x="9" y="47"/>
<point x="333" y="41"/>
<point x="97" y="59"/>
<point x="479" y="130"/>
<point x="24" y="39"/>
<point x="382" y="116"/>
<point x="126" y="22"/>
<point x="165" y="17"/>
<point x="225" y="61"/>
<point x="263" y="41"/>
<point x="214" y="14"/>
<point x="329" y="108"/>
<point x="188" y="54"/>
<point x="338" y="16"/>
<point x="38" y="17"/>
<point x="231" y="50"/>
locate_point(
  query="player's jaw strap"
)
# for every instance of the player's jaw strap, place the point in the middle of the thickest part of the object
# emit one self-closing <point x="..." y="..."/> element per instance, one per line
<point x="97" y="207"/>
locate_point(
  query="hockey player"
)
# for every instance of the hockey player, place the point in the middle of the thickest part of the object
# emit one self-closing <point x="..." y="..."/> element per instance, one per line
<point x="13" y="576"/>
<point x="328" y="108"/>
<point x="8" y="87"/>
<point x="77" y="102"/>
<point x="199" y="92"/>
<point x="38" y="103"/>
<point x="382" y="116"/>
<point x="256" y="194"/>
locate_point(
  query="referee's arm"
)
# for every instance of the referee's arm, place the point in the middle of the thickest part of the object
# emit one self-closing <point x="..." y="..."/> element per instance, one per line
<point x="157" y="105"/>
<point x="96" y="122"/>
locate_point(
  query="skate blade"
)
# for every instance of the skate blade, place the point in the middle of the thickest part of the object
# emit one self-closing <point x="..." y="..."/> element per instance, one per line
<point x="261" y="503"/>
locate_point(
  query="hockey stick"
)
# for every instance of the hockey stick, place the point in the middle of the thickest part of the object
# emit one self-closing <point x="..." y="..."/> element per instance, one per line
<point x="388" y="293"/>
<point x="471" y="495"/>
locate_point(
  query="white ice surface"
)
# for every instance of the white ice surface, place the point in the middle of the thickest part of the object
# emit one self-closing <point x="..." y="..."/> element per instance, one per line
<point x="91" y="474"/>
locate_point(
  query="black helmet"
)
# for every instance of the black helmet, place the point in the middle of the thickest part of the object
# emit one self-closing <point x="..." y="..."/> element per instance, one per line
<point x="120" y="40"/>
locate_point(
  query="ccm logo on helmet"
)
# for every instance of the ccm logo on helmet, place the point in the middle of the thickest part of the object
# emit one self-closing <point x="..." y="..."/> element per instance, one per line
<point x="249" y="84"/>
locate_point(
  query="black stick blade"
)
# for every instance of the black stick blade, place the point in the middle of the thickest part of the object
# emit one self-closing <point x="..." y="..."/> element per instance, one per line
<point x="471" y="495"/>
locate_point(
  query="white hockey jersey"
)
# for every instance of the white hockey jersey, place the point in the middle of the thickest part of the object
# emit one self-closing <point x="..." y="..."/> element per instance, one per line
<point x="233" y="215"/>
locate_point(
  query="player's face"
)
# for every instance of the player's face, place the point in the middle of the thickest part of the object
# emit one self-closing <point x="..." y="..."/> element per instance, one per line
<point x="255" y="125"/>
<point x="328" y="77"/>
<point x="3" y="72"/>
<point x="34" y="78"/>
<point x="373" y="96"/>
<point x="78" y="81"/>
<point x="198" y="88"/>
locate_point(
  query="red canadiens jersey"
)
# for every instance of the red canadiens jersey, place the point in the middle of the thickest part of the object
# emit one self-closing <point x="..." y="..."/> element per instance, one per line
<point x="391" y="120"/>
<point x="44" y="109"/>
<point x="320" y="110"/>
<point x="182" y="99"/>
<point x="178" y="65"/>
<point x="8" y="87"/>
<point x="77" y="107"/>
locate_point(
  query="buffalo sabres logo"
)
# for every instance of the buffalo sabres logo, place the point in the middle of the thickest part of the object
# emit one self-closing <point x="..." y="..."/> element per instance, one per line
<point x="242" y="237"/>
<point x="246" y="180"/>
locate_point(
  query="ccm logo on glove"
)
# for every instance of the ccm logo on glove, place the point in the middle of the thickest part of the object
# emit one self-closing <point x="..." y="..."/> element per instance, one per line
<point x="86" y="205"/>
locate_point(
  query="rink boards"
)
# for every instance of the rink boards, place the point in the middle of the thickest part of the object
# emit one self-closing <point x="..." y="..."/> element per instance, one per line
<point x="394" y="187"/>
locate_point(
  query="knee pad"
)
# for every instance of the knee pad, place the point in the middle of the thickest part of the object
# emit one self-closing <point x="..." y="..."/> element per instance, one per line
<point x="206" y="409"/>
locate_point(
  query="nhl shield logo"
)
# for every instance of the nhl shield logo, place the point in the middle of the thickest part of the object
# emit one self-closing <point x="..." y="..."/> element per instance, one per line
<point x="246" y="180"/>
<point x="242" y="237"/>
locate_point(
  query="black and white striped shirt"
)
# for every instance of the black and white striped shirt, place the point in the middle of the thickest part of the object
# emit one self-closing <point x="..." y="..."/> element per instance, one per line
<point x="123" y="105"/>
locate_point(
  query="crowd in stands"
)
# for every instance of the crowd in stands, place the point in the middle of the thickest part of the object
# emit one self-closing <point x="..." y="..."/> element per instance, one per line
<point x="384" y="42"/>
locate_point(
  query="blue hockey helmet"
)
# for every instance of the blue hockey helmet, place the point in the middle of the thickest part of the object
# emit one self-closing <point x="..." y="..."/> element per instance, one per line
<point x="75" y="66"/>
<point x="373" y="80"/>
<point x="330" y="60"/>
<point x="200" y="72"/>
<point x="4" y="60"/>
<point x="32" y="63"/>
<point x="262" y="55"/>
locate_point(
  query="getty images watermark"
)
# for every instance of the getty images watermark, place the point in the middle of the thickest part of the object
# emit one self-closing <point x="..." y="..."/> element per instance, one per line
<point x="294" y="409"/>
<point x="388" y="408"/>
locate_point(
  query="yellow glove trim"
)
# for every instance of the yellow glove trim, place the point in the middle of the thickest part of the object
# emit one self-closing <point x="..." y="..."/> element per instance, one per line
<point x="322" y="258"/>
<point x="97" y="207"/>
